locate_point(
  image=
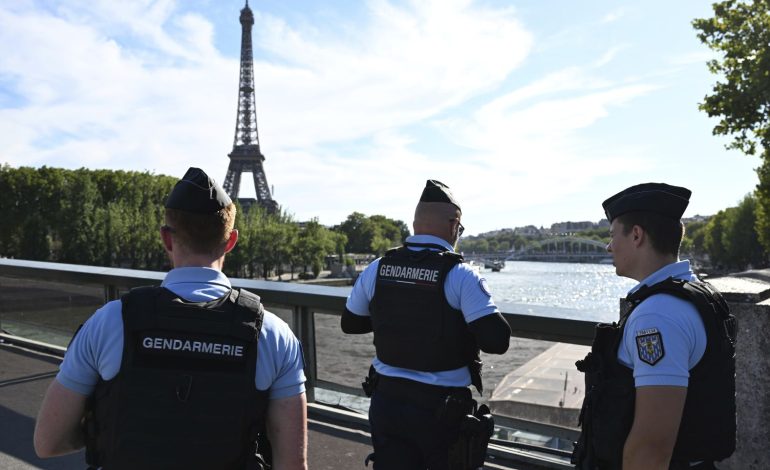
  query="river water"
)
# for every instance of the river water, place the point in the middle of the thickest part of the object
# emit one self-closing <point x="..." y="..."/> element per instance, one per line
<point x="563" y="290"/>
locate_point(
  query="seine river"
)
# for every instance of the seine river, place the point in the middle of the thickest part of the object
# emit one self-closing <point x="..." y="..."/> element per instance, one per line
<point x="564" y="290"/>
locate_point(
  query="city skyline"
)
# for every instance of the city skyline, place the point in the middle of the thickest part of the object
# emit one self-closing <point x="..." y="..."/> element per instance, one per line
<point x="531" y="113"/>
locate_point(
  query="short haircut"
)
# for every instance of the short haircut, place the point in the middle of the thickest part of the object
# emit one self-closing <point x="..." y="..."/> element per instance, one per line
<point x="202" y="233"/>
<point x="664" y="232"/>
<point x="429" y="215"/>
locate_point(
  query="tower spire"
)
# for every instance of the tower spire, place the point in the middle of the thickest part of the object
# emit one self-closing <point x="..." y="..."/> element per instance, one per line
<point x="246" y="155"/>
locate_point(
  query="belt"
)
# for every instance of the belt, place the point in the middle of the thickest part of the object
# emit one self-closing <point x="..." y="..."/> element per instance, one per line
<point x="410" y="391"/>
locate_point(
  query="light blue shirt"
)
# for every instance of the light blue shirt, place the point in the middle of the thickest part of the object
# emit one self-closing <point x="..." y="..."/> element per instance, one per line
<point x="464" y="289"/>
<point x="679" y="325"/>
<point x="97" y="349"/>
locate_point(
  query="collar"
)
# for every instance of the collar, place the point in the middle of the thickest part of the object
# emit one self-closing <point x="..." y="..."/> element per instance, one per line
<point x="195" y="275"/>
<point x="430" y="239"/>
<point x="677" y="270"/>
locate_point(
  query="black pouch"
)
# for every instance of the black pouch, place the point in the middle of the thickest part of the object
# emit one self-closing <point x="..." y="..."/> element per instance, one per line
<point x="370" y="382"/>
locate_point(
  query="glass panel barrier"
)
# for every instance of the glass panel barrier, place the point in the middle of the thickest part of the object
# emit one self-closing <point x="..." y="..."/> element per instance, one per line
<point x="46" y="311"/>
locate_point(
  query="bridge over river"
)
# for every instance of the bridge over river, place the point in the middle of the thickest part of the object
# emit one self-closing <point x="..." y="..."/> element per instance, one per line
<point x="557" y="249"/>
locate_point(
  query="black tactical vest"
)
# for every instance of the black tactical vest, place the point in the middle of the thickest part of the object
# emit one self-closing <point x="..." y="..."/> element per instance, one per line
<point x="707" y="429"/>
<point x="185" y="396"/>
<point x="414" y="325"/>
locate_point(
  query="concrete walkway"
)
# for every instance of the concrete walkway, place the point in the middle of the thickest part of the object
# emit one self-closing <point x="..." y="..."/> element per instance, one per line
<point x="25" y="376"/>
<point x="547" y="389"/>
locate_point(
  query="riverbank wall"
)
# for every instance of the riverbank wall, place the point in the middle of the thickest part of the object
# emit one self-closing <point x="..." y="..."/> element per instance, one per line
<point x="748" y="294"/>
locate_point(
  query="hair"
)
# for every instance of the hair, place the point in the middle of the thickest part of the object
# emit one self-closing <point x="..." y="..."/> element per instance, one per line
<point x="664" y="232"/>
<point x="202" y="233"/>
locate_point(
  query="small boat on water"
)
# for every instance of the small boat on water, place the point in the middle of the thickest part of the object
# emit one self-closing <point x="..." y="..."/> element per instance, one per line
<point x="477" y="265"/>
<point x="495" y="265"/>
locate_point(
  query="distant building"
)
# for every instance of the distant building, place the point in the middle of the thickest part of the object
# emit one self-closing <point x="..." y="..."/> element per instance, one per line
<point x="528" y="231"/>
<point x="495" y="233"/>
<point x="696" y="218"/>
<point x="564" y="228"/>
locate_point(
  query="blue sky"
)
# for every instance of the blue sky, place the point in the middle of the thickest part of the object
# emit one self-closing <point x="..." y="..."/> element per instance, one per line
<point x="533" y="112"/>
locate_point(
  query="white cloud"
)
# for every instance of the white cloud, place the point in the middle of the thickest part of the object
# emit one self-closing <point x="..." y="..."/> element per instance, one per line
<point x="139" y="85"/>
<point x="613" y="16"/>
<point x="157" y="86"/>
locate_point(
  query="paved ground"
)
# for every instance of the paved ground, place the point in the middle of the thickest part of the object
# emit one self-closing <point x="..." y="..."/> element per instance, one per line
<point x="25" y="375"/>
<point x="547" y="388"/>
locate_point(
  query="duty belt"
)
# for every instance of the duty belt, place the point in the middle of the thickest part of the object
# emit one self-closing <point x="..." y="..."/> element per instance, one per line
<point x="422" y="394"/>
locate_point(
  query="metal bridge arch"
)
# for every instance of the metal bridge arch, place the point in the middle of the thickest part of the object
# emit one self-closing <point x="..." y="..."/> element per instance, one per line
<point x="564" y="249"/>
<point x="564" y="242"/>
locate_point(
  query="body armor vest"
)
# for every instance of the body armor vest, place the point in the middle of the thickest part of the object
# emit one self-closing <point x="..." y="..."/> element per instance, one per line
<point x="708" y="426"/>
<point x="185" y="396"/>
<point x="414" y="325"/>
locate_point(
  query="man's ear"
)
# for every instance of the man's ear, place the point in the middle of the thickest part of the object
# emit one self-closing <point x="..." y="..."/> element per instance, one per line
<point x="232" y="241"/>
<point x="165" y="236"/>
<point x="638" y="235"/>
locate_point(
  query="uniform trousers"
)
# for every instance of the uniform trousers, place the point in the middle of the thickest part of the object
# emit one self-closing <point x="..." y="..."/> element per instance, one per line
<point x="407" y="432"/>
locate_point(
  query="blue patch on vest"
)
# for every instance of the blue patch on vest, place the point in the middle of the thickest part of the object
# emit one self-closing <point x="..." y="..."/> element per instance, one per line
<point x="650" y="347"/>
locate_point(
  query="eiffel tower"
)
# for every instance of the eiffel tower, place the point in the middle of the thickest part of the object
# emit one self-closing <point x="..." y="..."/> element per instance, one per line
<point x="246" y="156"/>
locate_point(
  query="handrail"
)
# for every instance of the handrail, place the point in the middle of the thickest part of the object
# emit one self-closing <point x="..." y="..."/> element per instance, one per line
<point x="321" y="299"/>
<point x="305" y="300"/>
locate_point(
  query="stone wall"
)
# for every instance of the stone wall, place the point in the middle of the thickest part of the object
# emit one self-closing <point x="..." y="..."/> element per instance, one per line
<point x="747" y="294"/>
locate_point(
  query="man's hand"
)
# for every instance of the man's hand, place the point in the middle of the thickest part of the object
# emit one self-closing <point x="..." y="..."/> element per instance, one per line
<point x="287" y="431"/>
<point x="58" y="427"/>
<point x="657" y="414"/>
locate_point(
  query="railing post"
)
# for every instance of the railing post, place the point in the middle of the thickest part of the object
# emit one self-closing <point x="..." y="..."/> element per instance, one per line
<point x="304" y="324"/>
<point x="111" y="293"/>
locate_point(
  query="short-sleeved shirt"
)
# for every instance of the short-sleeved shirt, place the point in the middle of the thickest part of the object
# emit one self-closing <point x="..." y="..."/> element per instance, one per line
<point x="97" y="349"/>
<point x="465" y="290"/>
<point x="677" y="324"/>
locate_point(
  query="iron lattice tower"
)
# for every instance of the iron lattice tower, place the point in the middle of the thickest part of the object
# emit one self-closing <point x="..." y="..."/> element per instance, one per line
<point x="246" y="155"/>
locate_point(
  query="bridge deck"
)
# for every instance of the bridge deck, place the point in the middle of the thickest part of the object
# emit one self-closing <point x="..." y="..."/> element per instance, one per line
<point x="26" y="374"/>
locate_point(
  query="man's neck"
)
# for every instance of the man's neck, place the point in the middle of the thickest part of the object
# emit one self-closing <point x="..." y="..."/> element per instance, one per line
<point x="652" y="263"/>
<point x="198" y="261"/>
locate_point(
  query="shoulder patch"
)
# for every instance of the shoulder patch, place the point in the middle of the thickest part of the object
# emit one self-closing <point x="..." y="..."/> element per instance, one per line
<point x="649" y="345"/>
<point x="484" y="287"/>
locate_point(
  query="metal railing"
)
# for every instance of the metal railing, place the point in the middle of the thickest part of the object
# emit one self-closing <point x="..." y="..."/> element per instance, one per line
<point x="305" y="301"/>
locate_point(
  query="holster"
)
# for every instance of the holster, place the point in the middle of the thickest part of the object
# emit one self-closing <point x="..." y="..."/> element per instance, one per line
<point x="370" y="382"/>
<point x="474" y="425"/>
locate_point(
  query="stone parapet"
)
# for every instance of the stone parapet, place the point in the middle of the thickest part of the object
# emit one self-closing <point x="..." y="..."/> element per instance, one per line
<point x="749" y="301"/>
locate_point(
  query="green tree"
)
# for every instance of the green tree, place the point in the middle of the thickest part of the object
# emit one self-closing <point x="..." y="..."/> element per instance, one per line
<point x="739" y="238"/>
<point x="314" y="242"/>
<point x="713" y="239"/>
<point x="740" y="33"/>
<point x="370" y="234"/>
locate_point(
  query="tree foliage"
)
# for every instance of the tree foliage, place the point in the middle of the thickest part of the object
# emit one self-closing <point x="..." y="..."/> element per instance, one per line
<point x="740" y="33"/>
<point x="96" y="217"/>
<point x="112" y="218"/>
<point x="730" y="238"/>
<point x="373" y="234"/>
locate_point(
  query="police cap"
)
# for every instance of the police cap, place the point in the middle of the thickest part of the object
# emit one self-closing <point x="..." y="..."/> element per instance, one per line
<point x="661" y="198"/>
<point x="436" y="191"/>
<point x="197" y="192"/>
